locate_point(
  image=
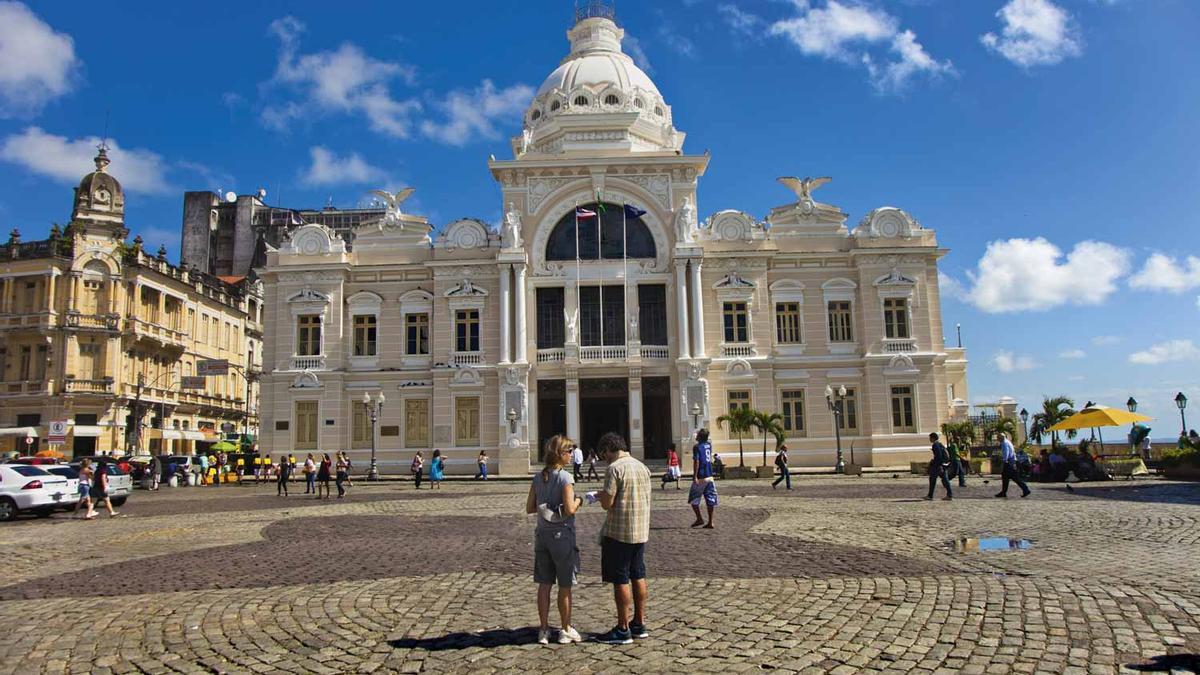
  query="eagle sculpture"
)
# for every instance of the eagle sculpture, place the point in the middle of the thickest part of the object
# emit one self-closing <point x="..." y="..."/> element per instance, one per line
<point x="803" y="187"/>
<point x="393" y="200"/>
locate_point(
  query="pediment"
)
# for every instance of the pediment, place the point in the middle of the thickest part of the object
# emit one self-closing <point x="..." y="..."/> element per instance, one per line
<point x="313" y="239"/>
<point x="308" y="295"/>
<point x="895" y="278"/>
<point x="733" y="280"/>
<point x="466" y="289"/>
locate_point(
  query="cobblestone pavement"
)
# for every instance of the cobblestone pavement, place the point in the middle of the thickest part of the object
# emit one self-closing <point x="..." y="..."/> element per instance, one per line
<point x="840" y="575"/>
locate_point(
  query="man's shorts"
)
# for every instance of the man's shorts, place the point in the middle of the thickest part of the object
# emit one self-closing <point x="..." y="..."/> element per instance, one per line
<point x="620" y="562"/>
<point x="555" y="557"/>
<point x="706" y="489"/>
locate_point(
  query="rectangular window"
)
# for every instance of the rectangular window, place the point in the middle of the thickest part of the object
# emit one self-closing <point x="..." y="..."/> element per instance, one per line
<point x="652" y="313"/>
<point x="416" y="339"/>
<point x="849" y="409"/>
<point x="360" y="427"/>
<point x="416" y="423"/>
<point x="787" y="323"/>
<point x="738" y="399"/>
<point x="306" y="425"/>
<point x="903" y="419"/>
<point x="601" y="315"/>
<point x="26" y="362"/>
<point x="792" y="410"/>
<point x="551" y="322"/>
<point x="840" y="325"/>
<point x="308" y="335"/>
<point x="203" y="328"/>
<point x="466" y="421"/>
<point x="737" y="326"/>
<point x="364" y="334"/>
<point x="466" y="330"/>
<point x="895" y="318"/>
<point x="89" y="361"/>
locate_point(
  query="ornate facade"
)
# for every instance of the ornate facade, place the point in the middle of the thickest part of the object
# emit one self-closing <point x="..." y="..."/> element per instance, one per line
<point x="100" y="333"/>
<point x="640" y="318"/>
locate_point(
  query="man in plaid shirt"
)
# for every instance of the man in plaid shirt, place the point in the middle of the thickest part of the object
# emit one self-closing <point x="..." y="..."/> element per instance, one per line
<point x="626" y="498"/>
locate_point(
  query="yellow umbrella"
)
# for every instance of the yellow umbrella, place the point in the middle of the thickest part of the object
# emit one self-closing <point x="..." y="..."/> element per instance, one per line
<point x="1099" y="416"/>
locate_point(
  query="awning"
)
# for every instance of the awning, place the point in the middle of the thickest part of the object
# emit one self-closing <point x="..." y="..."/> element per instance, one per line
<point x="87" y="431"/>
<point x="165" y="434"/>
<point x="19" y="431"/>
<point x="194" y="436"/>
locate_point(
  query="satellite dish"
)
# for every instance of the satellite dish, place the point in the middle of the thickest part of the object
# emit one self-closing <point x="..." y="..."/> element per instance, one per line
<point x="262" y="193"/>
<point x="231" y="197"/>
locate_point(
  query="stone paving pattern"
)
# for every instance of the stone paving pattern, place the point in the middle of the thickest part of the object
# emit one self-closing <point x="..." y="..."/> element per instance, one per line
<point x="842" y="575"/>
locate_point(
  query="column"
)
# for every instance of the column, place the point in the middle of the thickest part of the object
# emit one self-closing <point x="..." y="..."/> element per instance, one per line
<point x="697" y="311"/>
<point x="50" y="299"/>
<point x="522" y="334"/>
<point x="636" y="440"/>
<point x="681" y="309"/>
<point x="505" y="312"/>
<point x="573" y="408"/>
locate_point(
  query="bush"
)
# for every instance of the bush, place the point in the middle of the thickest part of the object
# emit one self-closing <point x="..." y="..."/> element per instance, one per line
<point x="1180" y="457"/>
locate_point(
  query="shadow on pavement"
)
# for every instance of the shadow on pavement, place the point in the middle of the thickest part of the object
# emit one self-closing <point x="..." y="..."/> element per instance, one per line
<point x="498" y="637"/>
<point x="1168" y="663"/>
<point x="1138" y="491"/>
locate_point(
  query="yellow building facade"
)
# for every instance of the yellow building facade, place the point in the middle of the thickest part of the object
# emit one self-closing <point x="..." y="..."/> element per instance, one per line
<point x="108" y="338"/>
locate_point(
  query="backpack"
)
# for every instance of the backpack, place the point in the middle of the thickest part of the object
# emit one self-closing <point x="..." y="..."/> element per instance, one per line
<point x="779" y="459"/>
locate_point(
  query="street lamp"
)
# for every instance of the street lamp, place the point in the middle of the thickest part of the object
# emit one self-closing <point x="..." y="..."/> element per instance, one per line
<point x="1181" y="401"/>
<point x="1131" y="404"/>
<point x="837" y="410"/>
<point x="696" y="416"/>
<point x="374" y="409"/>
<point x="1024" y="414"/>
<point x="512" y="420"/>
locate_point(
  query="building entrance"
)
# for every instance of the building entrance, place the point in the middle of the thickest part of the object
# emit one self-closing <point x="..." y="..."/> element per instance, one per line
<point x="656" y="416"/>
<point x="603" y="407"/>
<point x="551" y="414"/>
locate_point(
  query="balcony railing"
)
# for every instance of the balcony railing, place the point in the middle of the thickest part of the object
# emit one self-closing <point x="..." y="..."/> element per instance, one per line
<point x="466" y="358"/>
<point x="554" y="355"/>
<point x="656" y="352"/>
<point x="899" y="345"/>
<point x="603" y="353"/>
<point x="23" y="387"/>
<point x="101" y="386"/>
<point x="25" y="320"/>
<point x="737" y="350"/>
<point x="162" y="334"/>
<point x="93" y="321"/>
<point x="308" y="363"/>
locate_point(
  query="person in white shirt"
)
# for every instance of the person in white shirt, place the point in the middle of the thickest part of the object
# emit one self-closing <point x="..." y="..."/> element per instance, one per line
<point x="577" y="462"/>
<point x="1009" y="471"/>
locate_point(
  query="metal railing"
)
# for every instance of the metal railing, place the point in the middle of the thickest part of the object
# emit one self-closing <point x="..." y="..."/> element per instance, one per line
<point x="595" y="9"/>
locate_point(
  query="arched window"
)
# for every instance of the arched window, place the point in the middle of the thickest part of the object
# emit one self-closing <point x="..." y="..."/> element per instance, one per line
<point x="537" y="114"/>
<point x="581" y="100"/>
<point x="555" y="106"/>
<point x="639" y="242"/>
<point x="658" y="111"/>
<point x="637" y="103"/>
<point x="612" y="99"/>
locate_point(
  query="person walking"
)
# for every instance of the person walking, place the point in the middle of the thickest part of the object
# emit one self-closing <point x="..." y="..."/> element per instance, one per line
<point x="203" y="469"/>
<point x="1008" y="468"/>
<point x="282" y="473"/>
<point x="591" y="462"/>
<point x="577" y="462"/>
<point x="781" y="461"/>
<point x="673" y="471"/>
<point x="323" y="474"/>
<point x="85" y="488"/>
<point x="481" y="461"/>
<point x="154" y="468"/>
<point x="555" y="555"/>
<point x="100" y="488"/>
<point x="958" y="464"/>
<point x="626" y="498"/>
<point x="704" y="482"/>
<point x="349" y="469"/>
<point x="937" y="468"/>
<point x="342" y="473"/>
<point x="418" y="463"/>
<point x="437" y="467"/>
<point x="310" y="475"/>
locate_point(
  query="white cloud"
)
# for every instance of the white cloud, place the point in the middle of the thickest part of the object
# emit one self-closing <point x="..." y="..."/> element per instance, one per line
<point x="679" y="43"/>
<point x="37" y="64"/>
<point x="329" y="169"/>
<point x="847" y="31"/>
<point x="1031" y="275"/>
<point x="741" y="22"/>
<point x="1007" y="362"/>
<point x="1034" y="33"/>
<point x="1162" y="273"/>
<point x="1072" y="354"/>
<point x="1165" y="352"/>
<point x="344" y="80"/>
<point x="951" y="287"/>
<point x="68" y="160"/>
<point x="633" y="47"/>
<point x="1106" y="340"/>
<point x="473" y="113"/>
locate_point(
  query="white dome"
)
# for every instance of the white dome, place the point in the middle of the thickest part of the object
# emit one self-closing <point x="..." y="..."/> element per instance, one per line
<point x="598" y="71"/>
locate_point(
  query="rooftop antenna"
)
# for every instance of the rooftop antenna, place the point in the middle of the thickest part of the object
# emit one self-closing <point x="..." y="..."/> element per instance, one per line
<point x="104" y="140"/>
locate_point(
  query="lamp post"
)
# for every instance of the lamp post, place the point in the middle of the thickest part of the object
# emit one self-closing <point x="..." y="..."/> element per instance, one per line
<point x="696" y="416"/>
<point x="1181" y="401"/>
<point x="837" y="410"/>
<point x="512" y="420"/>
<point x="374" y="408"/>
<point x="1024" y="415"/>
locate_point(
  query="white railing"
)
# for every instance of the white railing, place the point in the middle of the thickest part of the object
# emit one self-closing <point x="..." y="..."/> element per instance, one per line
<point x="554" y="355"/>
<point x="602" y="353"/>
<point x="655" y="352"/>
<point x="897" y="346"/>
<point x="308" y="363"/>
<point x="737" y="350"/>
<point x="466" y="358"/>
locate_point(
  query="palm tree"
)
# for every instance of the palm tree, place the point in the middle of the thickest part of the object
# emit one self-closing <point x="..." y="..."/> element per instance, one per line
<point x="741" y="421"/>
<point x="1054" y="410"/>
<point x="994" y="427"/>
<point x="770" y="424"/>
<point x="961" y="434"/>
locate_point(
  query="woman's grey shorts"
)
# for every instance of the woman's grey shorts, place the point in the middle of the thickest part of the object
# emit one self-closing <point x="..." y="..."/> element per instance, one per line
<point x="555" y="557"/>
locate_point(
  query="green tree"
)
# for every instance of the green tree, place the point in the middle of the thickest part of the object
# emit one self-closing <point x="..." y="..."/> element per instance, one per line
<point x="993" y="428"/>
<point x="961" y="434"/>
<point x="741" y="421"/>
<point x="1054" y="410"/>
<point x="770" y="424"/>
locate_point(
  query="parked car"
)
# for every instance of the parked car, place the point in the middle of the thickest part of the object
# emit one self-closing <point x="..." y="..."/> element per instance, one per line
<point x="72" y="477"/>
<point x="120" y="485"/>
<point x="24" y="487"/>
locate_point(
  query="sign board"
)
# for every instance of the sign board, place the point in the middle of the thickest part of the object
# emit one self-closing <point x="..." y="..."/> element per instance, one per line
<point x="212" y="367"/>
<point x="58" y="432"/>
<point x="28" y="440"/>
<point x="192" y="382"/>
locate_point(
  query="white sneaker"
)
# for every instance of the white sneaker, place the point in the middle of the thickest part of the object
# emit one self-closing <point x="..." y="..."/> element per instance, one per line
<point x="568" y="635"/>
<point x="543" y="636"/>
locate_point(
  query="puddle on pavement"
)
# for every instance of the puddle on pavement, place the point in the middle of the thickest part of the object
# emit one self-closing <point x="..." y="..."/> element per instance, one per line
<point x="984" y="544"/>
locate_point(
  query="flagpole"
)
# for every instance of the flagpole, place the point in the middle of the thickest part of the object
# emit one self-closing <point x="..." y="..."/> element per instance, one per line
<point x="625" y="268"/>
<point x="578" y="294"/>
<point x="600" y="258"/>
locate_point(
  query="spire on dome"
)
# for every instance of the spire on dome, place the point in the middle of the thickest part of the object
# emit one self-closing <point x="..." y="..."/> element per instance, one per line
<point x="101" y="159"/>
<point x="595" y="9"/>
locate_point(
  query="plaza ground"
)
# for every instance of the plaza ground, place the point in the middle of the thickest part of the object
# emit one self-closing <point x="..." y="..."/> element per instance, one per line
<point x="839" y="575"/>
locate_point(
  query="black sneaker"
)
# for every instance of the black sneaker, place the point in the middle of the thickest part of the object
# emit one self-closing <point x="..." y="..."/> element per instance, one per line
<point x="638" y="630"/>
<point x="616" y="636"/>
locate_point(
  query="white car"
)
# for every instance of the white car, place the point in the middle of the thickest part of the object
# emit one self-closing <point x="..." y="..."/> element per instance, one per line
<point x="72" y="499"/>
<point x="25" y="487"/>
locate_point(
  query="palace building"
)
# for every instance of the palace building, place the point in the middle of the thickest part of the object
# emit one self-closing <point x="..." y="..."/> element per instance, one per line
<point x="103" y="335"/>
<point x="604" y="303"/>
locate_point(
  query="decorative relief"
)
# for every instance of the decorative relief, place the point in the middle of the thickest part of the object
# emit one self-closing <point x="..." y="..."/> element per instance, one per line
<point x="658" y="184"/>
<point x="887" y="222"/>
<point x="540" y="188"/>
<point x="466" y="289"/>
<point x="467" y="233"/>
<point x="309" y="277"/>
<point x="723" y="264"/>
<point x="314" y="239"/>
<point x="731" y="225"/>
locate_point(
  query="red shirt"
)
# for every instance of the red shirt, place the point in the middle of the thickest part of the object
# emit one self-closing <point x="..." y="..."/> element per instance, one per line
<point x="672" y="458"/>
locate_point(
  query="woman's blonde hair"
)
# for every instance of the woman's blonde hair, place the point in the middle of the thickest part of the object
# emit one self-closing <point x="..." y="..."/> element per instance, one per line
<point x="552" y="453"/>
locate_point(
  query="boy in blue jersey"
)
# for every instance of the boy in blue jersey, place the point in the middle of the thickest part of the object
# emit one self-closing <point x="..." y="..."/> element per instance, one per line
<point x="704" y="485"/>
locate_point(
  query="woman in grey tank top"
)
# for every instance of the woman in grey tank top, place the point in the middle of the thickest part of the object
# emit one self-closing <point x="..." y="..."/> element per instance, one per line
<point x="555" y="555"/>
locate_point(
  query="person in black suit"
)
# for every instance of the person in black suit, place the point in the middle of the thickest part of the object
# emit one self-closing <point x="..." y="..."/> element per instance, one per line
<point x="937" y="468"/>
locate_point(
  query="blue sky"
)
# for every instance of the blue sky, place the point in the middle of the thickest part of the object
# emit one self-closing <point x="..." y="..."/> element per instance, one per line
<point x="1052" y="144"/>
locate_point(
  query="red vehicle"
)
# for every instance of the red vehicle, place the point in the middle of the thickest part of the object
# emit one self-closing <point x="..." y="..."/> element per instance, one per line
<point x="35" y="460"/>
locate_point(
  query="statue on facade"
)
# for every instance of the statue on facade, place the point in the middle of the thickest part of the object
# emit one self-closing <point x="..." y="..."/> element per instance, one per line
<point x="392" y="202"/>
<point x="633" y="328"/>
<point x="685" y="222"/>
<point x="510" y="236"/>
<point x="572" y="326"/>
<point x="803" y="187"/>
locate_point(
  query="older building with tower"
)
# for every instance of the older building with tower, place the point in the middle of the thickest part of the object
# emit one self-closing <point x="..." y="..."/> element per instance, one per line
<point x="603" y="302"/>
